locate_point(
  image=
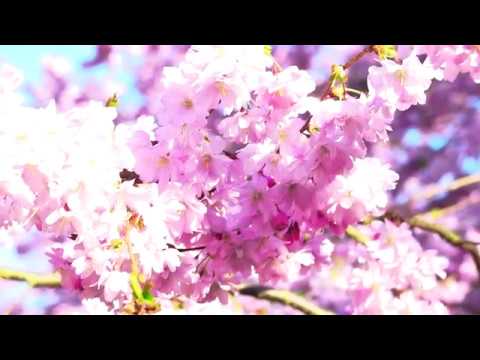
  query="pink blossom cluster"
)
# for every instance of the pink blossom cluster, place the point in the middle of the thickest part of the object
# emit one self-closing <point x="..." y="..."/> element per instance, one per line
<point x="393" y="274"/>
<point x="452" y="60"/>
<point x="237" y="172"/>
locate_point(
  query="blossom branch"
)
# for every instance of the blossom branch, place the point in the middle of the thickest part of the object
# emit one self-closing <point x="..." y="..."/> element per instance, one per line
<point x="449" y="235"/>
<point x="420" y="222"/>
<point x="452" y="237"/>
<point x="283" y="297"/>
<point x="34" y="280"/>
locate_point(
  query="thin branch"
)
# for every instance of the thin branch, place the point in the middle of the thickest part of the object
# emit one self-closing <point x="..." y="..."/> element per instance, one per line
<point x="421" y="221"/>
<point x="326" y="92"/>
<point x="450" y="236"/>
<point x="346" y="66"/>
<point x="357" y="235"/>
<point x="283" y="297"/>
<point x="355" y="58"/>
<point x="436" y="189"/>
<point x="198" y="248"/>
<point x="354" y="91"/>
<point x="437" y="213"/>
<point x="358" y="56"/>
<point x="133" y="221"/>
<point x="140" y="304"/>
<point x="34" y="280"/>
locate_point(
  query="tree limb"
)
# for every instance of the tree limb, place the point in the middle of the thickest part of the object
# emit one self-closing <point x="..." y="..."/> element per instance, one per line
<point x="260" y="292"/>
<point x="450" y="236"/>
<point x="283" y="297"/>
<point x="34" y="280"/>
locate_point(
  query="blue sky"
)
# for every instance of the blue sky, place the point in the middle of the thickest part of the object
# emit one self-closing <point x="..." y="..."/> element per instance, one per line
<point x="27" y="58"/>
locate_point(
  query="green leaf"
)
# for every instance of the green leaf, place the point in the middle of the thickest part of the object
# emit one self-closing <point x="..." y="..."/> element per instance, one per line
<point x="148" y="297"/>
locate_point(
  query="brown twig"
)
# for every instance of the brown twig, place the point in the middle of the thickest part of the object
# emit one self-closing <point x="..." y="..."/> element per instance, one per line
<point x="198" y="248"/>
<point x="355" y="58"/>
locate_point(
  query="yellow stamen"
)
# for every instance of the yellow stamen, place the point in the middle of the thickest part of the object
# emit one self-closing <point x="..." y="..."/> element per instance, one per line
<point x="275" y="159"/>
<point x="222" y="89"/>
<point x="313" y="128"/>
<point x="163" y="161"/>
<point x="282" y="135"/>
<point x="137" y="222"/>
<point x="280" y="92"/>
<point x="187" y="103"/>
<point x="206" y="160"/>
<point x="401" y="75"/>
